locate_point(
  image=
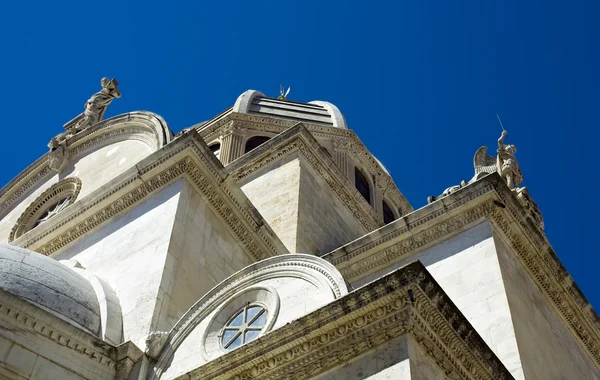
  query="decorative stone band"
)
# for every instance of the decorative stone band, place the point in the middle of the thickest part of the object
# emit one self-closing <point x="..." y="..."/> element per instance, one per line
<point x="143" y="126"/>
<point x="488" y="198"/>
<point x="32" y="319"/>
<point x="344" y="139"/>
<point x="185" y="158"/>
<point x="407" y="301"/>
<point x="299" y="140"/>
<point x="67" y="188"/>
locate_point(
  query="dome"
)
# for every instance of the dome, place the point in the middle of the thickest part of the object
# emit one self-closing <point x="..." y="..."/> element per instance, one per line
<point x="316" y="112"/>
<point x="49" y="285"/>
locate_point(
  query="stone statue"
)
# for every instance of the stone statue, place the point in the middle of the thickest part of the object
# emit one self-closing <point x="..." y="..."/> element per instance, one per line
<point x="97" y="103"/>
<point x="508" y="167"/>
<point x="448" y="191"/>
<point x="505" y="163"/>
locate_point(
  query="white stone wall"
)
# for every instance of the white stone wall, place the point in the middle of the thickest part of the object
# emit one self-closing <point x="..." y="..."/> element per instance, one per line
<point x="547" y="347"/>
<point x="301" y="208"/>
<point x="466" y="266"/>
<point x="202" y="253"/>
<point x="274" y="192"/>
<point x="130" y="253"/>
<point x="324" y="223"/>
<point x="94" y="170"/>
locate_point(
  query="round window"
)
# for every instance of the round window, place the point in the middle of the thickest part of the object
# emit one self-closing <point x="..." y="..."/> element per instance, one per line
<point x="245" y="326"/>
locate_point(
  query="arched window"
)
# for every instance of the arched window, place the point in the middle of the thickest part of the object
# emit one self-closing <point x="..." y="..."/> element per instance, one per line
<point x="388" y="215"/>
<point x="362" y="185"/>
<point x="216" y="149"/>
<point x="255" y="142"/>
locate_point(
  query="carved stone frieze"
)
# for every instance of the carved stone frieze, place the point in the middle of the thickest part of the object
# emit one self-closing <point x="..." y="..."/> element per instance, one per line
<point x="407" y="301"/>
<point x="342" y="139"/>
<point x="31" y="319"/>
<point x="298" y="141"/>
<point x="488" y="198"/>
<point x="193" y="164"/>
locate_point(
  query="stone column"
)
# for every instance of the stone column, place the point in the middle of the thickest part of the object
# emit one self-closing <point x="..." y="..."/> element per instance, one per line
<point x="232" y="146"/>
<point x="343" y="160"/>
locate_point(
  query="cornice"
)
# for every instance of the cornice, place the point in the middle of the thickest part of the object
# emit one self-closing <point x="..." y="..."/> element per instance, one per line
<point x="299" y="140"/>
<point x="486" y="199"/>
<point x="407" y="301"/>
<point x="344" y="139"/>
<point x="34" y="320"/>
<point x="187" y="157"/>
<point x="140" y="125"/>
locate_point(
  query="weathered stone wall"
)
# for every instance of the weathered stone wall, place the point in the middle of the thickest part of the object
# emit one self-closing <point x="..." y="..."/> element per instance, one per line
<point x="301" y="208"/>
<point x="421" y="366"/>
<point x="466" y="266"/>
<point x="130" y="253"/>
<point x="324" y="223"/>
<point x="201" y="254"/>
<point x="547" y="347"/>
<point x="274" y="191"/>
<point x="94" y="170"/>
<point x="388" y="361"/>
<point x="18" y="362"/>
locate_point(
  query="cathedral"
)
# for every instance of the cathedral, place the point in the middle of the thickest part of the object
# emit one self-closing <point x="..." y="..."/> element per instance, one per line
<point x="269" y="243"/>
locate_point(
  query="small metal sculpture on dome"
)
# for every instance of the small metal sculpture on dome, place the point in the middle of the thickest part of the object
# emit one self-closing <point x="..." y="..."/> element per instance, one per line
<point x="282" y="95"/>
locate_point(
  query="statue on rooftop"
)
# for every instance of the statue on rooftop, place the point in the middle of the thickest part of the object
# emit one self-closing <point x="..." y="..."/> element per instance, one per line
<point x="505" y="163"/>
<point x="97" y="103"/>
<point x="508" y="167"/>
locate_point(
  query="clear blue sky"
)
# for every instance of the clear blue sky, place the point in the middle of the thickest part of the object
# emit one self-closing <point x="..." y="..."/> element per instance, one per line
<point x="420" y="82"/>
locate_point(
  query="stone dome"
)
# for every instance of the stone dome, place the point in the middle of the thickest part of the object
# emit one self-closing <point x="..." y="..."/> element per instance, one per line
<point x="49" y="285"/>
<point x="315" y="112"/>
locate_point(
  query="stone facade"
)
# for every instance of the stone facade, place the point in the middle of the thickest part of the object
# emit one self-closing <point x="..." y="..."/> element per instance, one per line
<point x="246" y="247"/>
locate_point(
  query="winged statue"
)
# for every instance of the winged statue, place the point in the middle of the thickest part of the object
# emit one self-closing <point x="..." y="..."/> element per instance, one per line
<point x="505" y="163"/>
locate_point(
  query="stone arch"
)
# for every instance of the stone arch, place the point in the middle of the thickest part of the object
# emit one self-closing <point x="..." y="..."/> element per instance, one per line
<point x="320" y="273"/>
<point x="254" y="142"/>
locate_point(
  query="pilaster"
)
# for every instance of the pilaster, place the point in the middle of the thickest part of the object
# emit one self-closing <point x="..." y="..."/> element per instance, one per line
<point x="232" y="146"/>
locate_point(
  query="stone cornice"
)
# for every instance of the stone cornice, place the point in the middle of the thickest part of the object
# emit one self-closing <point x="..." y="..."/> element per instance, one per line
<point x="343" y="138"/>
<point x="187" y="157"/>
<point x="36" y="321"/>
<point x="407" y="301"/>
<point x="141" y="125"/>
<point x="299" y="140"/>
<point x="487" y="199"/>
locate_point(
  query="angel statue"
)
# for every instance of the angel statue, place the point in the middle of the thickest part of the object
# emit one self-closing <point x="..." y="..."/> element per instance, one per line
<point x="97" y="104"/>
<point x="505" y="163"/>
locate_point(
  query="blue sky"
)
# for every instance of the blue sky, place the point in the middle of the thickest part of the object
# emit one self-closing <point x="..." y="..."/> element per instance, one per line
<point x="420" y="82"/>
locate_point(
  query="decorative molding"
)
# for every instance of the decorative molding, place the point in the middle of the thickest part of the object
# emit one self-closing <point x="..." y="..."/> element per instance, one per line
<point x="28" y="318"/>
<point x="343" y="139"/>
<point x="68" y="187"/>
<point x="311" y="268"/>
<point x="299" y="140"/>
<point x="184" y="159"/>
<point x="141" y="125"/>
<point x="487" y="198"/>
<point x="407" y="301"/>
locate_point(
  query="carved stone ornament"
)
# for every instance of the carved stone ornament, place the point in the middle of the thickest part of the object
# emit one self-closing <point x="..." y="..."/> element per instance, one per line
<point x="58" y="157"/>
<point x="155" y="342"/>
<point x="52" y="201"/>
<point x="507" y="166"/>
<point x="94" y="110"/>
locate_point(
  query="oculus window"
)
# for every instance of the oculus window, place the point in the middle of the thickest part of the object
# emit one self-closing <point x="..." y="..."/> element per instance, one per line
<point x="245" y="326"/>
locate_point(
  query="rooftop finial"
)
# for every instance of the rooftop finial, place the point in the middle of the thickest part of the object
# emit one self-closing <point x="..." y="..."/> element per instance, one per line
<point x="282" y="95"/>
